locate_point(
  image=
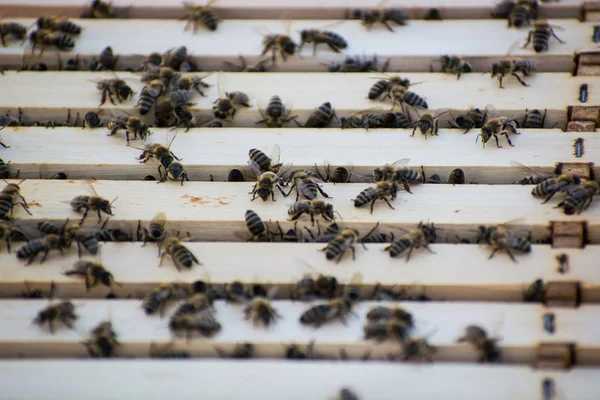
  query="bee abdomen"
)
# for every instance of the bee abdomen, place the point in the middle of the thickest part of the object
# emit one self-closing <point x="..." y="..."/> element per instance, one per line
<point x="184" y="257"/>
<point x="145" y="102"/>
<point x="378" y="89"/>
<point x="541" y="38"/>
<point x="314" y="314"/>
<point x="64" y="42"/>
<point x="89" y="242"/>
<point x="365" y="197"/>
<point x="336" y="39"/>
<point x="399" y="246"/>
<point x="260" y="158"/>
<point x="209" y="19"/>
<point x="255" y="225"/>
<point x="30" y="248"/>
<point x="46" y="228"/>
<point x="520" y="244"/>
<point x="275" y="108"/>
<point x="413" y="99"/>
<point x="79" y="202"/>
<point x="334" y="249"/>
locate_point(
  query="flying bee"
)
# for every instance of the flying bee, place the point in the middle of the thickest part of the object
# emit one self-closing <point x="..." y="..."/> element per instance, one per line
<point x="258" y="229"/>
<point x="14" y="29"/>
<point x="473" y="118"/>
<point x="203" y="323"/>
<point x="379" y="15"/>
<point x="32" y="248"/>
<point x="276" y="114"/>
<point x="179" y="253"/>
<point x="155" y="230"/>
<point x="540" y="34"/>
<point x="338" y="246"/>
<point x="454" y="65"/>
<point x="312" y="208"/>
<point x="93" y="273"/>
<point x="522" y="13"/>
<point x="63" y="312"/>
<point x="200" y="15"/>
<point x="428" y="123"/>
<point x="346" y="394"/>
<point x="103" y="341"/>
<point x="99" y="9"/>
<point x="335" y="175"/>
<point x="131" y="125"/>
<point x="322" y="313"/>
<point x="580" y="198"/>
<point x="381" y="191"/>
<point x="92" y="119"/>
<point x="267" y="182"/>
<point x="61" y="25"/>
<point x="486" y="346"/>
<point x="315" y="36"/>
<point x="501" y="238"/>
<point x="44" y="37"/>
<point x="281" y="43"/>
<point x="497" y="126"/>
<point x="386" y="329"/>
<point x="9" y="197"/>
<point x="413" y="239"/>
<point x="261" y="66"/>
<point x="514" y="67"/>
<point x="306" y="185"/>
<point x="261" y="311"/>
<point x="114" y="87"/>
<point x="92" y="203"/>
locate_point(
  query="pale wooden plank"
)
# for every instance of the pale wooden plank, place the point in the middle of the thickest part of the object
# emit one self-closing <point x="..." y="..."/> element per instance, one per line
<point x="412" y="48"/>
<point x="519" y="326"/>
<point x="455" y="272"/>
<point x="313" y="9"/>
<point x="207" y="152"/>
<point x="213" y="210"/>
<point x="47" y="95"/>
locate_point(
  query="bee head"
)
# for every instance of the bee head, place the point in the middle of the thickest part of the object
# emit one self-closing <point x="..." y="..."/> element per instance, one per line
<point x="264" y="193"/>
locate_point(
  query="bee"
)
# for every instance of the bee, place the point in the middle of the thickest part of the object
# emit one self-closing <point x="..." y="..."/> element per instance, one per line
<point x="131" y="125"/>
<point x="293" y="352"/>
<point x="174" y="172"/>
<point x="315" y="36"/>
<point x="478" y="338"/>
<point x="497" y="126"/>
<point x="93" y="273"/>
<point x="114" y="87"/>
<point x="92" y="203"/>
<point x="236" y="292"/>
<point x="580" y="198"/>
<point x="540" y="34"/>
<point x="63" y="312"/>
<point x="174" y="57"/>
<point x="293" y="235"/>
<point x="267" y="182"/>
<point x="44" y="37"/>
<point x="197" y="15"/>
<point x="278" y="43"/>
<point x="203" y="323"/>
<point x="112" y="234"/>
<point x="522" y="13"/>
<point x="166" y="75"/>
<point x="7" y="120"/>
<point x="385" y="86"/>
<point x="362" y="119"/>
<point x="386" y="329"/>
<point x="354" y="64"/>
<point x="305" y="185"/>
<point x="312" y="208"/>
<point x="83" y="239"/>
<point x="418" y="350"/>
<point x="155" y="230"/>
<point x="9" y="233"/>
<point x="428" y="123"/>
<point x="225" y="106"/>
<point x="106" y="60"/>
<point x="378" y="237"/>
<point x="535" y="292"/>
<point x="166" y="352"/>
<point x="260" y="311"/>
<point x="241" y="351"/>
<point x="512" y="66"/>
<point x="346" y="394"/>
<point x="159" y="297"/>
<point x="322" y="313"/>
<point x="501" y="238"/>
<point x="413" y="239"/>
<point x="181" y="255"/>
<point x="383" y="16"/>
<point x="503" y="9"/>
<point x="276" y="114"/>
<point x="474" y="118"/>
<point x="381" y="191"/>
<point x="99" y="9"/>
<point x="5" y="170"/>
<point x="258" y="229"/>
<point x="103" y="341"/>
<point x="455" y="65"/>
<point x="261" y="66"/>
<point x="334" y="175"/>
<point x="92" y="119"/>
<point x="37" y="294"/>
<point x="154" y="60"/>
<point x="456" y="177"/>
<point x="402" y="96"/>
<point x="563" y="263"/>
<point x="145" y="101"/>
<point x="387" y="313"/>
<point x="338" y="246"/>
<point x="193" y="83"/>
<point x="549" y="187"/>
<point x="396" y="120"/>
<point x="195" y="304"/>
<point x="32" y="248"/>
<point x="9" y="197"/>
<point x="61" y="25"/>
<point x="14" y="29"/>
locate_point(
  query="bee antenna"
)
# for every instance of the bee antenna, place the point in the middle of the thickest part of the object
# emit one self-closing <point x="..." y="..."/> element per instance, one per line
<point x="113" y="201"/>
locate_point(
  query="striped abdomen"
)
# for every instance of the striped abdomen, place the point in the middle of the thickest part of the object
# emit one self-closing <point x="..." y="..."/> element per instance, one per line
<point x="321" y="117"/>
<point x="260" y="158"/>
<point x="336" y="248"/>
<point x="399" y="246"/>
<point x="518" y="243"/>
<point x="366" y="197"/>
<point x="255" y="225"/>
<point x="318" y="314"/>
<point x="89" y="242"/>
<point x="275" y="109"/>
<point x="335" y="39"/>
<point x="413" y="99"/>
<point x="182" y="256"/>
<point x="46" y="228"/>
<point x="145" y="102"/>
<point x="378" y="89"/>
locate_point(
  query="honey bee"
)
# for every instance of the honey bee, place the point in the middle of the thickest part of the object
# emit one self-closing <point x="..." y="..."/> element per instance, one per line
<point x="159" y="297"/>
<point x="497" y="126"/>
<point x="258" y="229"/>
<point x="236" y="292"/>
<point x="387" y="313"/>
<point x="378" y="237"/>
<point x="14" y="29"/>
<point x="276" y="114"/>
<point x="522" y="13"/>
<point x="9" y="197"/>
<point x="397" y="172"/>
<point x="428" y="123"/>
<point x="386" y="86"/>
<point x="338" y="246"/>
<point x="402" y="96"/>
<point x="418" y="350"/>
<point x="166" y="352"/>
<point x="312" y="208"/>
<point x="454" y="65"/>
<point x="503" y="9"/>
<point x="193" y="83"/>
<point x="540" y="34"/>
<point x="99" y="9"/>
<point x="92" y="203"/>
<point x="200" y="15"/>
<point x="63" y="312"/>
<point x="549" y="187"/>
<point x="60" y="25"/>
<point x="335" y="175"/>
<point x="114" y="87"/>
<point x="267" y="182"/>
<point x="106" y="60"/>
<point x="381" y="191"/>
<point x="181" y="255"/>
<point x="44" y="37"/>
<point x="306" y="185"/>
<point x="8" y="233"/>
<point x="261" y="66"/>
<point x="131" y="125"/>
<point x="278" y="43"/>
<point x="195" y="304"/>
<point x="322" y="313"/>
<point x="535" y="292"/>
<point x="473" y="118"/>
<point x="166" y="74"/>
<point x="261" y="312"/>
<point x="379" y="15"/>
<point x="315" y="36"/>
<point x="103" y="341"/>
<point x="174" y="172"/>
<point x="534" y="119"/>
<point x="174" y="57"/>
<point x="355" y="64"/>
<point x="266" y="163"/>
<point x="386" y="329"/>
<point x="92" y="119"/>
<point x="293" y="352"/>
<point x="93" y="273"/>
<point x="396" y="120"/>
<point x="43" y="245"/>
<point x="501" y="238"/>
<point x="478" y="338"/>
<point x="363" y="119"/>
<point x="203" y="323"/>
<point x="413" y="239"/>
<point x="146" y="100"/>
<point x="37" y="293"/>
<point x="512" y="66"/>
<point x="155" y="230"/>
<point x="580" y="198"/>
<point x="225" y="106"/>
<point x="159" y="152"/>
<point x="83" y="239"/>
<point x="5" y="170"/>
<point x="240" y="351"/>
<point x="112" y="234"/>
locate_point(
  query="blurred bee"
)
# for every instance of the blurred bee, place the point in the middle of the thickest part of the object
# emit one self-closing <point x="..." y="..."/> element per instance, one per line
<point x="387" y="313"/>
<point x="276" y="114"/>
<point x="396" y="120"/>
<point x="32" y="248"/>
<point x="385" y="86"/>
<point x="474" y="118"/>
<point x="197" y="15"/>
<point x="378" y="237"/>
<point x="195" y="304"/>
<point x="338" y="246"/>
<point x="355" y="64"/>
<point x="346" y="394"/>
<point x="131" y="125"/>
<point x="5" y="172"/>
<point x="9" y="197"/>
<point x="155" y="230"/>
<point x="418" y="350"/>
<point x="293" y="352"/>
<point x="383" y="16"/>
<point x="387" y="329"/>
<point x="154" y="60"/>
<point x="503" y="9"/>
<point x="501" y="238"/>
<point x="580" y="198"/>
<point x="322" y="313"/>
<point x="309" y="288"/>
<point x="83" y="238"/>
<point x="240" y="351"/>
<point x="454" y="65"/>
<point x="37" y="294"/>
<point x="72" y="63"/>
<point x="8" y="233"/>
<point x="236" y="292"/>
<point x="112" y="234"/>
<point x="103" y="341"/>
<point x="267" y="182"/>
<point x="225" y="106"/>
<point x="456" y="177"/>
<point x="14" y="29"/>
<point x="61" y="25"/>
<point x="180" y="254"/>
<point x="312" y="208"/>
<point x="261" y="66"/>
<point x="306" y="185"/>
<point x="193" y="83"/>
<point x="114" y="87"/>
<point x="293" y="235"/>
<point x="534" y="119"/>
<point x="540" y="35"/>
<point x="92" y="203"/>
<point x="433" y="14"/>
<point x="363" y="119"/>
<point x="164" y="112"/>
<point x="402" y="96"/>
<point x="146" y="100"/>
<point x="203" y="323"/>
<point x="397" y="171"/>
<point x="320" y="118"/>
<point x="43" y="37"/>
<point x="381" y="191"/>
<point x="165" y="74"/>
<point x="93" y="273"/>
<point x="512" y="66"/>
<point x="174" y="57"/>
<point x="478" y="338"/>
<point x="7" y="120"/>
<point x="106" y="60"/>
<point x="522" y="13"/>
<point x="413" y="239"/>
<point x="278" y="43"/>
<point x="497" y="126"/>
<point x="260" y="310"/>
<point x="92" y="119"/>
<point x="63" y="312"/>
<point x="428" y="123"/>
<point x="315" y="36"/>
<point x="334" y="175"/>
<point x="166" y="352"/>
<point x="99" y="9"/>
<point x="535" y="292"/>
<point x="258" y="229"/>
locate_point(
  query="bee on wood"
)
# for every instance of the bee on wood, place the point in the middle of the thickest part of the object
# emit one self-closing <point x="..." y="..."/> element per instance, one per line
<point x="334" y="175"/>
<point x="114" y="87"/>
<point x="503" y="9"/>
<point x="315" y="36"/>
<point x="549" y="187"/>
<point x="32" y="248"/>
<point x="381" y="191"/>
<point x="92" y="203"/>
<point x="396" y="120"/>
<point x="385" y="86"/>
<point x="433" y="14"/>
<point x="193" y="83"/>
<point x="428" y="123"/>
<point x="512" y="66"/>
<point x="240" y="351"/>
<point x="235" y="292"/>
<point x="378" y="237"/>
<point x="535" y="292"/>
<point x="261" y="311"/>
<point x="63" y="312"/>
<point x="104" y="61"/>
<point x="540" y="35"/>
<point x="146" y="100"/>
<point x="37" y="293"/>
<point x="281" y="43"/>
<point x="522" y="13"/>
<point x="454" y="65"/>
<point x="14" y="29"/>
<point x="8" y="233"/>
<point x="195" y="304"/>
<point x="322" y="313"/>
<point x="112" y="234"/>
<point x="417" y="350"/>
<point x="580" y="198"/>
<point x="413" y="239"/>
<point x="386" y="329"/>
<point x="160" y="297"/>
<point x="83" y="239"/>
<point x="338" y="246"/>
<point x="309" y="289"/>
<point x="103" y="341"/>
<point x="99" y="9"/>
<point x="265" y="162"/>
<point x="92" y="119"/>
<point x="93" y="273"/>
<point x="261" y="66"/>
<point x="154" y="231"/>
<point x="154" y="60"/>
<point x="402" y="96"/>
<point x="473" y="118"/>
<point x="355" y="64"/>
<point x="258" y="229"/>
<point x="305" y="185"/>
<point x="383" y="16"/>
<point x="204" y="324"/>
<point x="312" y="208"/>
<point x="131" y="125"/>
<point x="180" y="254"/>
<point x="225" y="106"/>
<point x="397" y="172"/>
<point x="501" y="238"/>
<point x="200" y="15"/>
<point x="388" y="313"/>
<point x="7" y="120"/>
<point x="486" y="346"/>
<point x="534" y="119"/>
<point x="293" y="352"/>
<point x="275" y="115"/>
<point x="10" y="196"/>
<point x="497" y="126"/>
<point x="44" y="37"/>
<point x="363" y="119"/>
<point x="174" y="57"/>
<point x="59" y="175"/>
<point x="5" y="172"/>
<point x="60" y="25"/>
<point x="174" y="172"/>
<point x="166" y="352"/>
<point x="267" y="182"/>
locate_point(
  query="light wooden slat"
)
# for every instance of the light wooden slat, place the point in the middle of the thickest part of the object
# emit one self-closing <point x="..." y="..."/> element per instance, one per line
<point x="313" y="9"/>
<point x="455" y="272"/>
<point x="319" y="380"/>
<point x="213" y="210"/>
<point x="41" y="152"/>
<point x="519" y="326"/>
<point x="38" y="94"/>
<point x="412" y="48"/>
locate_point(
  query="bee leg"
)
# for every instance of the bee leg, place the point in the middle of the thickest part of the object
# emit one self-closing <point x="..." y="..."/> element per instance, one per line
<point x="429" y="249"/>
<point x="508" y="139"/>
<point x="387" y="25"/>
<point x="497" y="141"/>
<point x="550" y="196"/>
<point x="409" y="252"/>
<point x="494" y="251"/>
<point x="354" y="252"/>
<point x="519" y="79"/>
<point x="436" y="127"/>
<point x="51" y="326"/>
<point x="500" y="81"/>
<point x="557" y="38"/>
<point x="388" y="203"/>
<point x="413" y="132"/>
<point x="529" y="36"/>
<point x="30" y="260"/>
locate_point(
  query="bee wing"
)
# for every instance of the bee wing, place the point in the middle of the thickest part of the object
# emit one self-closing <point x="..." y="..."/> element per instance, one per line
<point x="255" y="168"/>
<point x="532" y="170"/>
<point x="400" y="163"/>
<point x="372" y="110"/>
<point x="221" y="83"/>
<point x="118" y="113"/>
<point x="441" y="112"/>
<point x="490" y="112"/>
<point x="275" y="154"/>
<point x="243" y="235"/>
<point x="285" y="168"/>
<point x="170" y="137"/>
